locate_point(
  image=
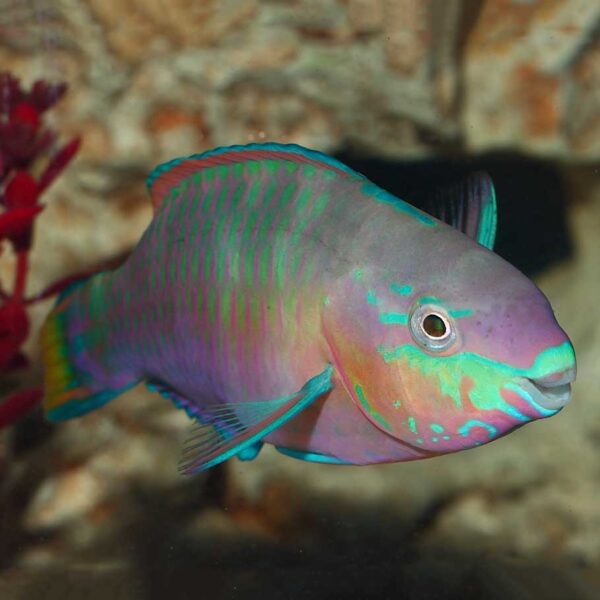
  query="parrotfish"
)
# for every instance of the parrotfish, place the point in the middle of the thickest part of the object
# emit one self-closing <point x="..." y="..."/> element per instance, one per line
<point x="279" y="296"/>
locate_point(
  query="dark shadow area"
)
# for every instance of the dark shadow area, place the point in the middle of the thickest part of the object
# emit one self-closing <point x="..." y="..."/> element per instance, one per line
<point x="343" y="552"/>
<point x="531" y="195"/>
<point x="18" y="489"/>
<point x="340" y="551"/>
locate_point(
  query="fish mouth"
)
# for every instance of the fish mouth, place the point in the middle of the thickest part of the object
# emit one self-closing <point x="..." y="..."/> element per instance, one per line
<point x="549" y="393"/>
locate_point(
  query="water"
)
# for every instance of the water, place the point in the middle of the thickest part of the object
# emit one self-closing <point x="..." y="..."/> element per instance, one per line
<point x="95" y="507"/>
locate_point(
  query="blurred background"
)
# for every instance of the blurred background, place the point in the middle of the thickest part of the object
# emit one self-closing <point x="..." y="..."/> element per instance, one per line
<point x="412" y="93"/>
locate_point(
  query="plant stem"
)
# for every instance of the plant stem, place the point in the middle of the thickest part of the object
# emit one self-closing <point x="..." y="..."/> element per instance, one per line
<point x="18" y="404"/>
<point x="21" y="275"/>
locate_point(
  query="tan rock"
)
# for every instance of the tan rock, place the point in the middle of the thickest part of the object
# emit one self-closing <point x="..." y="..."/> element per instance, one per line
<point x="582" y="102"/>
<point x="407" y="33"/>
<point x="366" y="16"/>
<point x="176" y="132"/>
<point x="64" y="498"/>
<point x="136" y="28"/>
<point x="522" y="75"/>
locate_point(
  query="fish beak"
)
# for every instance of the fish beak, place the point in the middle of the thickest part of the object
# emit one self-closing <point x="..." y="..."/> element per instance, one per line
<point x="550" y="392"/>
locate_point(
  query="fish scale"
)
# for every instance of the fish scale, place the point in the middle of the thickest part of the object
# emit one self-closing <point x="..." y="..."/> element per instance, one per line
<point x="215" y="263"/>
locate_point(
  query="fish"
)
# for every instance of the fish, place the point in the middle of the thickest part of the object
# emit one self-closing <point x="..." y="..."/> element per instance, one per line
<point x="280" y="297"/>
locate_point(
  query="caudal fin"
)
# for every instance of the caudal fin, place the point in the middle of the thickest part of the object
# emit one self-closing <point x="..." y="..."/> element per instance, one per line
<point x="67" y="391"/>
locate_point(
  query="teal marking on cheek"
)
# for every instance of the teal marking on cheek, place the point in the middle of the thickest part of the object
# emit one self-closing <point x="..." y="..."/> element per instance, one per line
<point x="437" y="428"/>
<point x="488" y="376"/>
<point x="397" y="404"/>
<point x="446" y="437"/>
<point x="521" y="392"/>
<point x="459" y="314"/>
<point x="420" y="440"/>
<point x="371" y="297"/>
<point x="429" y="300"/>
<point x="412" y="424"/>
<point x="393" y="318"/>
<point x="358" y="274"/>
<point x="435" y="439"/>
<point x="380" y="195"/>
<point x="403" y="290"/>
<point x="466" y="427"/>
<point x="551" y="360"/>
<point x="509" y="409"/>
<point x="327" y="301"/>
<point x="369" y="409"/>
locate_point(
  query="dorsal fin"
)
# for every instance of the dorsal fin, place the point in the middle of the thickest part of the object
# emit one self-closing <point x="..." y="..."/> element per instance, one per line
<point x="470" y="207"/>
<point x="165" y="176"/>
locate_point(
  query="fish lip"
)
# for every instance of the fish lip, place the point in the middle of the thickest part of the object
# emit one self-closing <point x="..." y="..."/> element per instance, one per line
<point x="549" y="393"/>
<point x="555" y="379"/>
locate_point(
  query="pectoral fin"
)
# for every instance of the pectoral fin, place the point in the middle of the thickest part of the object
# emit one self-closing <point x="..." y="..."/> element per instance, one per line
<point x="237" y="428"/>
<point x="469" y="207"/>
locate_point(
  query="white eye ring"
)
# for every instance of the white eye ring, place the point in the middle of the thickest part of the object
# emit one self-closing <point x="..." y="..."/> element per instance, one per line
<point x="426" y="317"/>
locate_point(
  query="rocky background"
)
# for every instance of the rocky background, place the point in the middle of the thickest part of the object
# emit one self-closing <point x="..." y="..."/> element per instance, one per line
<point x="95" y="508"/>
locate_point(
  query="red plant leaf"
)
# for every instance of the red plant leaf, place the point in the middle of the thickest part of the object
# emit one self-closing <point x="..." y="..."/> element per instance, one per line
<point x="14" y="328"/>
<point x="61" y="284"/>
<point x="16" y="225"/>
<point x="18" y="142"/>
<point x="26" y="113"/>
<point x="10" y="93"/>
<point x="58" y="286"/>
<point x="46" y="138"/>
<point x="58" y="162"/>
<point x="18" y="361"/>
<point x="43" y="94"/>
<point x="21" y="191"/>
<point x="18" y="404"/>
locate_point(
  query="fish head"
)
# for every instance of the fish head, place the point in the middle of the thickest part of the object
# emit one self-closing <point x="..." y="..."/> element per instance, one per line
<point x="453" y="356"/>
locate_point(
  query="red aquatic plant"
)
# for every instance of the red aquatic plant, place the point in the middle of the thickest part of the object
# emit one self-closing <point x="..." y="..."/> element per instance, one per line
<point x="30" y="160"/>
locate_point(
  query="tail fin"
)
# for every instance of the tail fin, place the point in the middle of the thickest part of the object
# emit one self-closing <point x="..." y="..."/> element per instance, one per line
<point x="67" y="394"/>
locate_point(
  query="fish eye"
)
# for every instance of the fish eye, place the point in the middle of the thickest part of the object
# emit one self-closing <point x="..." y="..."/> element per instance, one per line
<point x="432" y="328"/>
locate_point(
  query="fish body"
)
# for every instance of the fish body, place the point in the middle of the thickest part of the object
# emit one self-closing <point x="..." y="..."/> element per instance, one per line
<point x="278" y="296"/>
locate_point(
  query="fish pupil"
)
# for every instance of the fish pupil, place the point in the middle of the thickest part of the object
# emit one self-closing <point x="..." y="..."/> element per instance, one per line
<point x="434" y="326"/>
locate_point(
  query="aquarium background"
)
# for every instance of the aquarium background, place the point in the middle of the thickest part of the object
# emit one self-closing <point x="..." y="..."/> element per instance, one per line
<point x="414" y="94"/>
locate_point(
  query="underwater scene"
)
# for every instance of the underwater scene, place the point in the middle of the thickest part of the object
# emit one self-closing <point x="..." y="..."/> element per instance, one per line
<point x="299" y="299"/>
